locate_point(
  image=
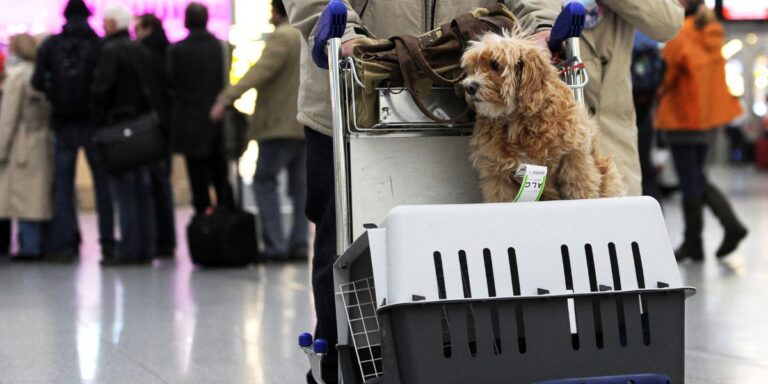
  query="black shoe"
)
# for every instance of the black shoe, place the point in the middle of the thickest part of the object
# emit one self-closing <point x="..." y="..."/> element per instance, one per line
<point x="731" y="240"/>
<point x="62" y="257"/>
<point x="108" y="251"/>
<point x="276" y="257"/>
<point x="117" y="262"/>
<point x="143" y="261"/>
<point x="165" y="253"/>
<point x="690" y="251"/>
<point x="299" y="255"/>
<point x="722" y="209"/>
<point x="26" y="257"/>
<point x="692" y="247"/>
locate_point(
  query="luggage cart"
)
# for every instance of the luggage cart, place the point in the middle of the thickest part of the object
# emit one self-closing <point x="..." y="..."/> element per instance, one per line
<point x="446" y="290"/>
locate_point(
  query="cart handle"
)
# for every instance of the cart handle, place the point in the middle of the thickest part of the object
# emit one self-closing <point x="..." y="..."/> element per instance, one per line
<point x="569" y="24"/>
<point x="332" y="23"/>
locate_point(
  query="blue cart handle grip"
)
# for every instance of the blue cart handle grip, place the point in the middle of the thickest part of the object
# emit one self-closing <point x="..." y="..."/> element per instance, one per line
<point x="305" y="340"/>
<point x="332" y="24"/>
<point x="320" y="346"/>
<point x="569" y="24"/>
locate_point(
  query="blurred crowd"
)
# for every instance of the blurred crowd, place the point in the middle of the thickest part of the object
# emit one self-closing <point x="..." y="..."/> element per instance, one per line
<point x="129" y="105"/>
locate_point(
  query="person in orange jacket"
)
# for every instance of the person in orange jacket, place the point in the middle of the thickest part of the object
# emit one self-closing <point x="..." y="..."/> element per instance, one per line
<point x="694" y="102"/>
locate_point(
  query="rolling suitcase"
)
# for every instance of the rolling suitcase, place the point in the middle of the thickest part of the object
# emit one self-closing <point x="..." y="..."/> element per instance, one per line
<point x="222" y="237"/>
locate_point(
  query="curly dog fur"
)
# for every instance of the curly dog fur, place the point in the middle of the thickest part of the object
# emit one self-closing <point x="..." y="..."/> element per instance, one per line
<point x="527" y="115"/>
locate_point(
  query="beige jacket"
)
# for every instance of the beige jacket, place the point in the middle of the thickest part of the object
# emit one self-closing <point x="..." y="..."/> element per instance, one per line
<point x="383" y="19"/>
<point x="607" y="53"/>
<point x="276" y="78"/>
<point x="26" y="149"/>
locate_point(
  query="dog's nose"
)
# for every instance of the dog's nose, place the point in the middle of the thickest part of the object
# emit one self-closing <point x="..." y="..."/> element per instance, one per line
<point x="471" y="88"/>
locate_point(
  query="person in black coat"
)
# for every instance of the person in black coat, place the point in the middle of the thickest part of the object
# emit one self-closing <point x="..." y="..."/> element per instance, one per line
<point x="150" y="33"/>
<point x="197" y="75"/>
<point x="5" y="225"/>
<point x="126" y="87"/>
<point x="64" y="72"/>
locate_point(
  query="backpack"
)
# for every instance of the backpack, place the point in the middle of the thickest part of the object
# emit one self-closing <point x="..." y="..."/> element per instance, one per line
<point x="74" y="61"/>
<point x="647" y="70"/>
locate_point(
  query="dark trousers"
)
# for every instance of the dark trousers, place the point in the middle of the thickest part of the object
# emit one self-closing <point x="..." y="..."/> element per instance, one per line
<point x="689" y="161"/>
<point x="274" y="156"/>
<point x="63" y="234"/>
<point x="644" y="144"/>
<point x="5" y="237"/>
<point x="321" y="210"/>
<point x="30" y="239"/>
<point x="134" y="203"/>
<point x="162" y="202"/>
<point x="204" y="171"/>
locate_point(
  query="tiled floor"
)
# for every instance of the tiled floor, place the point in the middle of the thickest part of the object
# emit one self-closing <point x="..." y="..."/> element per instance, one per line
<point x="174" y="324"/>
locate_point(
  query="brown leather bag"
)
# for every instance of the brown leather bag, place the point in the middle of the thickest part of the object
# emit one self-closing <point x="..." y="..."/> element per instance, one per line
<point x="420" y="62"/>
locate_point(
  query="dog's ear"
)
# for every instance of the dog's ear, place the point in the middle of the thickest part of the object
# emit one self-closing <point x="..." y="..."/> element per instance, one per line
<point x="532" y="72"/>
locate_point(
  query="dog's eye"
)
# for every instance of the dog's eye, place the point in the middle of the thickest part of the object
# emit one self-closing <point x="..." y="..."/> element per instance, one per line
<point x="495" y="65"/>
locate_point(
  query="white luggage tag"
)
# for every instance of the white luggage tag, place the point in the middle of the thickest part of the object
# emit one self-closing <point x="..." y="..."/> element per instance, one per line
<point x="534" y="180"/>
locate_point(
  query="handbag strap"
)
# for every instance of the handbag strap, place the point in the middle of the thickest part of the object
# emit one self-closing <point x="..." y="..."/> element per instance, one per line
<point x="409" y="70"/>
<point x="464" y="27"/>
<point x="226" y="61"/>
<point x="415" y="53"/>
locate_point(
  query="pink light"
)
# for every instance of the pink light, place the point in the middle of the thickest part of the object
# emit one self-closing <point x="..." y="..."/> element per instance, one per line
<point x="37" y="16"/>
<point x="752" y="10"/>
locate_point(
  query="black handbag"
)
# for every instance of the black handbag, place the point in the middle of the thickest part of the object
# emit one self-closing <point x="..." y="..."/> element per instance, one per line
<point x="130" y="144"/>
<point x="234" y="127"/>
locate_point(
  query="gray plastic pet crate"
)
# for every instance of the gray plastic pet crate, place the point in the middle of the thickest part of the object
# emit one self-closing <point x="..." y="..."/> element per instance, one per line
<point x="513" y="293"/>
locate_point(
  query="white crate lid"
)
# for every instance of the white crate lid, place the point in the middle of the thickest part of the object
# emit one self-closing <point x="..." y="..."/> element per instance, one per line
<point x="484" y="240"/>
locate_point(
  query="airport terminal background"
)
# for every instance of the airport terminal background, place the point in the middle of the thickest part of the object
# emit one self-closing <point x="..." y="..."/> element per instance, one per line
<point x="176" y="323"/>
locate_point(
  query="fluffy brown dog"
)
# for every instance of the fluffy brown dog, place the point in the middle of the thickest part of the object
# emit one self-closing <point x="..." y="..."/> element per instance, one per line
<point x="527" y="115"/>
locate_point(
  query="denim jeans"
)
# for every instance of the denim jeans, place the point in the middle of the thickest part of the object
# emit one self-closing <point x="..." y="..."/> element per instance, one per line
<point x="689" y="161"/>
<point x="134" y="202"/>
<point x="30" y="236"/>
<point x="162" y="201"/>
<point x="63" y="233"/>
<point x="275" y="155"/>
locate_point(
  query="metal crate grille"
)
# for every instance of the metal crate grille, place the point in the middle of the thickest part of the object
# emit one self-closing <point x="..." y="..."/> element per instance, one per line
<point x="359" y="300"/>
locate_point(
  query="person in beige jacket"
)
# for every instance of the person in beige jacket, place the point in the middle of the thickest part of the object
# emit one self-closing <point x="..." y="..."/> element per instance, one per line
<point x="606" y="49"/>
<point x="279" y="135"/>
<point x="366" y="18"/>
<point x="26" y="151"/>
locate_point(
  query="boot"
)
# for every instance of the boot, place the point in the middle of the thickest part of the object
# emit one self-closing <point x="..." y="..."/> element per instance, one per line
<point x="734" y="229"/>
<point x="692" y="247"/>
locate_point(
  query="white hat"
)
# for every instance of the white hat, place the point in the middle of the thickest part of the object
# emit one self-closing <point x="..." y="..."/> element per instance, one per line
<point x="120" y="15"/>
